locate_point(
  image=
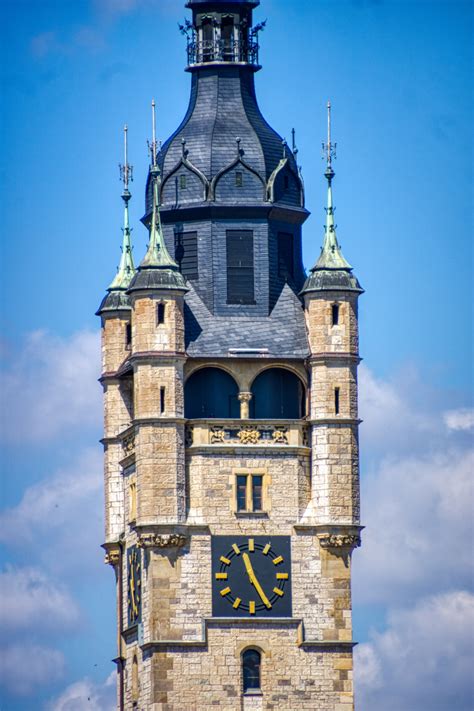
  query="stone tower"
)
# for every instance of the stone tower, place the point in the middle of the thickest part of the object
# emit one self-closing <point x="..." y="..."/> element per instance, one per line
<point x="231" y="430"/>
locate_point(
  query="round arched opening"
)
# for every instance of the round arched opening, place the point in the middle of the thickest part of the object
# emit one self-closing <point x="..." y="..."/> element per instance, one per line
<point x="278" y="394"/>
<point x="211" y="393"/>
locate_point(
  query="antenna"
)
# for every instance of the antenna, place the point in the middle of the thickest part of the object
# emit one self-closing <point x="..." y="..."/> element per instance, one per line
<point x="329" y="149"/>
<point x="126" y="170"/>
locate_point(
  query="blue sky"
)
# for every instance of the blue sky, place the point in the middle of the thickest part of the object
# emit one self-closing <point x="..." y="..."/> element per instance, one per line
<point x="398" y="74"/>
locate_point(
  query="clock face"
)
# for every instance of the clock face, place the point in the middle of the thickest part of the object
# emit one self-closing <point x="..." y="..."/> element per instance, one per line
<point x="251" y="576"/>
<point x="134" y="580"/>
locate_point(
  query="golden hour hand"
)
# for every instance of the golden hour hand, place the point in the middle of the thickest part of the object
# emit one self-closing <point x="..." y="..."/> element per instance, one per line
<point x="254" y="581"/>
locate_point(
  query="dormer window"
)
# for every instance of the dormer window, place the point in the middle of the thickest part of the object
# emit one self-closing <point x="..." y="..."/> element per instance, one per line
<point x="182" y="182"/>
<point x="239" y="178"/>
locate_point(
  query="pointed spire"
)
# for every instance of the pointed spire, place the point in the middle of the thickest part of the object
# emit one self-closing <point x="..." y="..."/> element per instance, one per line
<point x="332" y="270"/>
<point x="157" y="258"/>
<point x="126" y="268"/>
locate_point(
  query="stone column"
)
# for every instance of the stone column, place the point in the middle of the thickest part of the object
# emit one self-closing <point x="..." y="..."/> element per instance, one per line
<point x="244" y="399"/>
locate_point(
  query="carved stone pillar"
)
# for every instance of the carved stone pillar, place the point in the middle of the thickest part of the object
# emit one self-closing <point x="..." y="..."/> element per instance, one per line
<point x="244" y="399"/>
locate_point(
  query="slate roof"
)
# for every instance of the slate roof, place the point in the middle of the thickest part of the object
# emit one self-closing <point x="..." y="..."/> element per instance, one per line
<point x="283" y="333"/>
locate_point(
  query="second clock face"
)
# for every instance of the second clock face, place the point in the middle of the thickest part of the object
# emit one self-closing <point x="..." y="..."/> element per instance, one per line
<point x="251" y="576"/>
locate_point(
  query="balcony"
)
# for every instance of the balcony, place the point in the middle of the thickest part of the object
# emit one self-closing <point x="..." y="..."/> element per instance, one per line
<point x="222" y="51"/>
<point x="278" y="434"/>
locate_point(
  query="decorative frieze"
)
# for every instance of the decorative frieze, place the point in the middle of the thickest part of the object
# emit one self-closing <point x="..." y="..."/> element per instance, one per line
<point x="236" y="432"/>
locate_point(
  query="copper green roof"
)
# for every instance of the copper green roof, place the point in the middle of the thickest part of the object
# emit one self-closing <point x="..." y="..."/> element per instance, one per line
<point x="157" y="270"/>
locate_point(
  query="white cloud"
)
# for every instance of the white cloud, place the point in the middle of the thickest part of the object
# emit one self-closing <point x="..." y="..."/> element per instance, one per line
<point x="31" y="600"/>
<point x="417" y="512"/>
<point x="461" y="419"/>
<point x="85" y="694"/>
<point x="51" y="386"/>
<point x="25" y="667"/>
<point x="424" y="659"/>
<point x="60" y="519"/>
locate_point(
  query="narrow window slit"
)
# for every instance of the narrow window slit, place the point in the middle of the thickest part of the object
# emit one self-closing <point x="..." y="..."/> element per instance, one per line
<point x="162" y="400"/>
<point x="335" y="314"/>
<point x="182" y="182"/>
<point x="161" y="313"/>
<point x="128" y="334"/>
<point x="336" y="400"/>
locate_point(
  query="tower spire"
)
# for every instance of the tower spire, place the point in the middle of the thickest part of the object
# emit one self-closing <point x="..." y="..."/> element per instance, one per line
<point x="158" y="269"/>
<point x="126" y="268"/>
<point x="332" y="270"/>
<point x="157" y="254"/>
<point x="331" y="256"/>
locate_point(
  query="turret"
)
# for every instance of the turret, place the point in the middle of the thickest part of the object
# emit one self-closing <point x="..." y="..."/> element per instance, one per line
<point x="330" y="295"/>
<point x="115" y="314"/>
<point x="156" y="295"/>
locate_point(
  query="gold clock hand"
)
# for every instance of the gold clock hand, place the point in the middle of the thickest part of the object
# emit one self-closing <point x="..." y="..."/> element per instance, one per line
<point x="254" y="581"/>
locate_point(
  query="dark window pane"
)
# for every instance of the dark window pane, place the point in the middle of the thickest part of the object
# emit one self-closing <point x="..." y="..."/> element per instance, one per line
<point x="161" y="313"/>
<point x="251" y="669"/>
<point x="285" y="255"/>
<point x="185" y="253"/>
<point x="336" y="400"/>
<point x="241" y="493"/>
<point x="335" y="314"/>
<point x="240" y="280"/>
<point x="128" y="334"/>
<point x="239" y="178"/>
<point x="257" y="493"/>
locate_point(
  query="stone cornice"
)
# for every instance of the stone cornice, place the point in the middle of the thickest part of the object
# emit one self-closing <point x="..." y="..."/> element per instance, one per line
<point x="334" y="536"/>
<point x="151" y="356"/>
<point x="335" y="421"/>
<point x="322" y="357"/>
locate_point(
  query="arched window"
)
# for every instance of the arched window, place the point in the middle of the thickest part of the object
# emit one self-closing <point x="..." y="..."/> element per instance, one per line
<point x="211" y="393"/>
<point x="207" y="40"/>
<point x="227" y="37"/>
<point x="277" y="394"/>
<point x="251" y="663"/>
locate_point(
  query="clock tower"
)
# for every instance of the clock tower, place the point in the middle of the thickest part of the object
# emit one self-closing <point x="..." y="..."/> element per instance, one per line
<point x="231" y="424"/>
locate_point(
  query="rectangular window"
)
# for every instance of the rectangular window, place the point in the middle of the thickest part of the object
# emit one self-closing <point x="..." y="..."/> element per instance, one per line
<point x="336" y="400"/>
<point x="132" y="491"/>
<point x="162" y="400"/>
<point x="186" y="253"/>
<point x="285" y="255"/>
<point x="182" y="182"/>
<point x="335" y="314"/>
<point x="250" y="492"/>
<point x="240" y="279"/>
<point x="242" y="492"/>
<point x="239" y="178"/>
<point x="128" y="334"/>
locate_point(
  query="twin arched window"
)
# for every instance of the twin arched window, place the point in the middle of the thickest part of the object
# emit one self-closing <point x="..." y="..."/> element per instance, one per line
<point x="251" y="663"/>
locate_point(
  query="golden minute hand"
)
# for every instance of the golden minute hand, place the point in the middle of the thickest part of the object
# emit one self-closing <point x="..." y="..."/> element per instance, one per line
<point x="254" y="581"/>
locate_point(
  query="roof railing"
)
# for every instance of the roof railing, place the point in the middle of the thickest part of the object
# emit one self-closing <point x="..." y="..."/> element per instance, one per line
<point x="219" y="50"/>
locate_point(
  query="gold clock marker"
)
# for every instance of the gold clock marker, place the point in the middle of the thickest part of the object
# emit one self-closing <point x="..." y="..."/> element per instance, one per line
<point x="282" y="576"/>
<point x="236" y="548"/>
<point x="226" y="591"/>
<point x="251" y="545"/>
<point x="252" y="607"/>
<point x="225" y="560"/>
<point x="223" y="576"/>
<point x="277" y="560"/>
<point x="266" y="549"/>
<point x="279" y="592"/>
<point x="236" y="603"/>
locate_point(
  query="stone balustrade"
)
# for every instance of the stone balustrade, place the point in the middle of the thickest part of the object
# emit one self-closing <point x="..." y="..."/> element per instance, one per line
<point x="274" y="433"/>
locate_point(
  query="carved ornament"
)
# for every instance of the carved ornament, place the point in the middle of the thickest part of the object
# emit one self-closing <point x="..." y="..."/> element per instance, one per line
<point x="249" y="436"/>
<point x="339" y="540"/>
<point x="161" y="540"/>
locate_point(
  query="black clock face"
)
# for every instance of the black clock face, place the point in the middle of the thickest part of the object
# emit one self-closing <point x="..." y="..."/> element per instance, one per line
<point x="134" y="585"/>
<point x="251" y="576"/>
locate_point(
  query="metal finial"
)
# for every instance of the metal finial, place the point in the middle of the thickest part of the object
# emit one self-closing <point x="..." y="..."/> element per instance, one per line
<point x="283" y="143"/>
<point x="183" y="148"/>
<point x="126" y="170"/>
<point x="153" y="145"/>
<point x="237" y="140"/>
<point x="293" y="142"/>
<point x="329" y="149"/>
